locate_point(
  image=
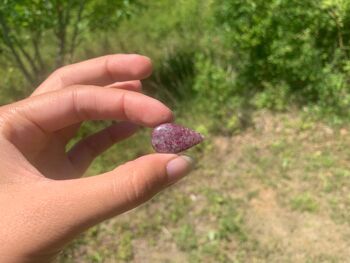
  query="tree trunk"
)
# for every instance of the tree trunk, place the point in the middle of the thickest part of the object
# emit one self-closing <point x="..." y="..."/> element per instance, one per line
<point x="76" y="32"/>
<point x="8" y="42"/>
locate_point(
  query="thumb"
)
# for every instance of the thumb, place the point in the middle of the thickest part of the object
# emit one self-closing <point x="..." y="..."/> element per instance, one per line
<point x="81" y="203"/>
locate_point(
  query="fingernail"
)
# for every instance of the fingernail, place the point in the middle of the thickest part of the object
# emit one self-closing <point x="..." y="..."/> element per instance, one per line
<point x="179" y="167"/>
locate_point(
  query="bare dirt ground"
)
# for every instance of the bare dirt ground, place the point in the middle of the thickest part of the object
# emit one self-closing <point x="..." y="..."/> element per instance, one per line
<point x="277" y="192"/>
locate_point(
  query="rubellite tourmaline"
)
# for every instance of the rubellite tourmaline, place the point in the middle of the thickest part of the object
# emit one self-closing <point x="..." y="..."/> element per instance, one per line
<point x="173" y="138"/>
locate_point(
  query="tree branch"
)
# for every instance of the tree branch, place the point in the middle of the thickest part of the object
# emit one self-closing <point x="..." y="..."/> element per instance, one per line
<point x="335" y="17"/>
<point x="8" y="42"/>
<point x="37" y="53"/>
<point x="26" y="55"/>
<point x="73" y="43"/>
<point x="60" y="34"/>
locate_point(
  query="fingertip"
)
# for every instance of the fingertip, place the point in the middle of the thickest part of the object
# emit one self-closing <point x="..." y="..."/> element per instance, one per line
<point x="144" y="66"/>
<point x="162" y="170"/>
<point x="136" y="66"/>
<point x="163" y="115"/>
<point x="146" y="110"/>
<point x="149" y="66"/>
<point x="179" y="167"/>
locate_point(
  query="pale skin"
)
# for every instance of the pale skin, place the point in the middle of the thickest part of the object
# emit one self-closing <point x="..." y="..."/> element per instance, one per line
<point x="44" y="201"/>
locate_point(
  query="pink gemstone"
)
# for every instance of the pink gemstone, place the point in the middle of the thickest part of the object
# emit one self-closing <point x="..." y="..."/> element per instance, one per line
<point x="173" y="138"/>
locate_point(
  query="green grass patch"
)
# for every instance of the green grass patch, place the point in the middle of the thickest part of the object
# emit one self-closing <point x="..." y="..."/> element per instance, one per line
<point x="304" y="203"/>
<point x="186" y="238"/>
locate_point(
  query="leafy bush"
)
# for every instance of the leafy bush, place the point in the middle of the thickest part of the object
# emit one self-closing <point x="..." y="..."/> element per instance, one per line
<point x="215" y="94"/>
<point x="293" y="50"/>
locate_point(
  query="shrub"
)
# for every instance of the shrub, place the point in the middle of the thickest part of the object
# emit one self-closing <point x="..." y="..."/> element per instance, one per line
<point x="293" y="50"/>
<point x="215" y="93"/>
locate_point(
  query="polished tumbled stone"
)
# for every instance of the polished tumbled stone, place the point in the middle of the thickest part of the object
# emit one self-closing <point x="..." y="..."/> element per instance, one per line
<point x="173" y="138"/>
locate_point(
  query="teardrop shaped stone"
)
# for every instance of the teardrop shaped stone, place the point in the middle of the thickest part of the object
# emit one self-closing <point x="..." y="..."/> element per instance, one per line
<point x="173" y="138"/>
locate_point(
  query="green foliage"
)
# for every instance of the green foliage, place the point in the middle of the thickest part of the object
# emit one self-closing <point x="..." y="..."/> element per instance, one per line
<point x="214" y="90"/>
<point x="28" y="28"/>
<point x="294" y="51"/>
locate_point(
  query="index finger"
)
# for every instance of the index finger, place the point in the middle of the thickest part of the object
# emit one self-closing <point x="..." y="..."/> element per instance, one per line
<point x="56" y="110"/>
<point x="99" y="71"/>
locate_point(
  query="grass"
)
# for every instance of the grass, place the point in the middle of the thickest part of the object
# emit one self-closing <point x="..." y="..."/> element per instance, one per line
<point x="272" y="193"/>
<point x="304" y="203"/>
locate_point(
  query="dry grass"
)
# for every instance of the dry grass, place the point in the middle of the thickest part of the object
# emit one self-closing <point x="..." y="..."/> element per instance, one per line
<point x="277" y="192"/>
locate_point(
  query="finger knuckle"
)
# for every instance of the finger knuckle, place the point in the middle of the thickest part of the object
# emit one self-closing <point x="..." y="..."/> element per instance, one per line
<point x="7" y="114"/>
<point x="82" y="96"/>
<point x="140" y="187"/>
<point x="58" y="75"/>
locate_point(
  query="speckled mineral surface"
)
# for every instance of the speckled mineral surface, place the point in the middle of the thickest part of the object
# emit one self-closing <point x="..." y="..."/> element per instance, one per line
<point x="173" y="138"/>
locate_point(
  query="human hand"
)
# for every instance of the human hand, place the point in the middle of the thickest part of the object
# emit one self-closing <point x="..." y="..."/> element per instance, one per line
<point x="44" y="204"/>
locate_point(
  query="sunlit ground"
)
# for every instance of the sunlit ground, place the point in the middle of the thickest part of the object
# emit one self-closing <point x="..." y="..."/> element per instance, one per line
<point x="277" y="192"/>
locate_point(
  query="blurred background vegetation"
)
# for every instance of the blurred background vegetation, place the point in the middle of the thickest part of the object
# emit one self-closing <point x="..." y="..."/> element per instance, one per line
<point x="266" y="81"/>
